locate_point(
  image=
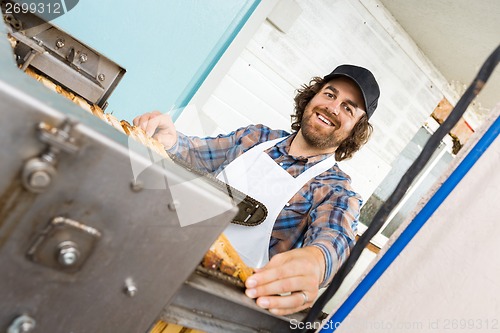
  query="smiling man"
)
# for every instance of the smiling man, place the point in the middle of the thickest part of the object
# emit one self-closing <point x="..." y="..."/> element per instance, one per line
<point x="312" y="209"/>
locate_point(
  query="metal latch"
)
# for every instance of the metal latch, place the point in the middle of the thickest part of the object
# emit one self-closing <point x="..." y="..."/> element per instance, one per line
<point x="38" y="172"/>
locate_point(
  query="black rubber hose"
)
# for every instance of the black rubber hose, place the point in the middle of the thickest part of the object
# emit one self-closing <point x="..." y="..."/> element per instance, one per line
<point x="405" y="182"/>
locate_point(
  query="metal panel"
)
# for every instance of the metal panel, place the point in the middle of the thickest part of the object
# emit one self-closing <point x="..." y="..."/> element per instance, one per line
<point x="63" y="58"/>
<point x="143" y="254"/>
<point x="215" y="307"/>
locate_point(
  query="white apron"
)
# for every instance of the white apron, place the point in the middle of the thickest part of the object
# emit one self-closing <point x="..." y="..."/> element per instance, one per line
<point x="256" y="174"/>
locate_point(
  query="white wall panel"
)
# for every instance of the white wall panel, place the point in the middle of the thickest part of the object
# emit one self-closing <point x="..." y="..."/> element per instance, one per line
<point x="260" y="86"/>
<point x="446" y="279"/>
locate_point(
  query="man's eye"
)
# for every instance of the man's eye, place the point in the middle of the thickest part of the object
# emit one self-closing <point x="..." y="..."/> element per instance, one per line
<point x="347" y="108"/>
<point x="330" y="95"/>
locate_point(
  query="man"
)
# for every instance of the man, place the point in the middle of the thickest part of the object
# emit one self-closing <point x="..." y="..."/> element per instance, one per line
<point x="312" y="210"/>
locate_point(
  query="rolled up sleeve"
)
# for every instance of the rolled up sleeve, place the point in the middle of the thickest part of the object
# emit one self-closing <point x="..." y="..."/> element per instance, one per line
<point x="332" y="230"/>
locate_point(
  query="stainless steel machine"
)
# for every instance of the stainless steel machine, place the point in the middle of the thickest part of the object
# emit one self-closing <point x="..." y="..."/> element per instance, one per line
<point x="86" y="244"/>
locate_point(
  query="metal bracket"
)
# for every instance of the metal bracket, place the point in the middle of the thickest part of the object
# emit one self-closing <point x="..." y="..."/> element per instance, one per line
<point x="38" y="172"/>
<point x="64" y="245"/>
<point x="61" y="58"/>
<point x="58" y="139"/>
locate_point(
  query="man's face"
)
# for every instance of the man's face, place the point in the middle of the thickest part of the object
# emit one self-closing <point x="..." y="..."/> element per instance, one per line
<point x="331" y="114"/>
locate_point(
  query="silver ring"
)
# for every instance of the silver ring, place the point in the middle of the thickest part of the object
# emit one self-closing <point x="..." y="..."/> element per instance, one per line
<point x="306" y="299"/>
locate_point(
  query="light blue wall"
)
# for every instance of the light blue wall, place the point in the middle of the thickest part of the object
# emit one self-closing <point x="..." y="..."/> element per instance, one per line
<point x="168" y="47"/>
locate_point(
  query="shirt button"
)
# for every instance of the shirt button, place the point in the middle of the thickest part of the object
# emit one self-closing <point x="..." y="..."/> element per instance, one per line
<point x="287" y="204"/>
<point x="281" y="163"/>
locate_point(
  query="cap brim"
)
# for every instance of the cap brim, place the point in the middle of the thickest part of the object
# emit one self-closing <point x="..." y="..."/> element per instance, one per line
<point x="332" y="76"/>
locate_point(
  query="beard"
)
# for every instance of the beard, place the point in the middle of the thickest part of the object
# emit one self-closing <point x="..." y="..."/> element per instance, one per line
<point x="320" y="138"/>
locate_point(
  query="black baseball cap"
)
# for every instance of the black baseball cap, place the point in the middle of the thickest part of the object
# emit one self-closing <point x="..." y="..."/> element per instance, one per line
<point x="365" y="81"/>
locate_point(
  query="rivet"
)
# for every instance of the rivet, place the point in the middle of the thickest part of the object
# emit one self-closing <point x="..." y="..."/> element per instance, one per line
<point x="174" y="205"/>
<point x="136" y="186"/>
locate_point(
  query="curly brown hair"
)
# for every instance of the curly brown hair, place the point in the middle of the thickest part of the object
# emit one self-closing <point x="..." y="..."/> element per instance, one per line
<point x="359" y="135"/>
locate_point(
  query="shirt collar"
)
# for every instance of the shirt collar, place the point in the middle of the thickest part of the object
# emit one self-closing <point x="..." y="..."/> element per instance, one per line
<point x="284" y="147"/>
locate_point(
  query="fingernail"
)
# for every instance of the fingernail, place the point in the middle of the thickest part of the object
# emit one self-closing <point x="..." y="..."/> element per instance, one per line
<point x="251" y="293"/>
<point x="263" y="303"/>
<point x="251" y="283"/>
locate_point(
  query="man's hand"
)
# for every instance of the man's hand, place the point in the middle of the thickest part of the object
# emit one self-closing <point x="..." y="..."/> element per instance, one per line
<point x="299" y="272"/>
<point x="159" y="126"/>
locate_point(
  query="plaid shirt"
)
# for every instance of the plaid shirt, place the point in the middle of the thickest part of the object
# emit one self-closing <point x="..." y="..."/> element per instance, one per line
<point x="324" y="213"/>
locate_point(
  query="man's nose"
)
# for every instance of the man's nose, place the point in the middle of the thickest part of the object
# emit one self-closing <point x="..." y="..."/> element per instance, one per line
<point x="333" y="108"/>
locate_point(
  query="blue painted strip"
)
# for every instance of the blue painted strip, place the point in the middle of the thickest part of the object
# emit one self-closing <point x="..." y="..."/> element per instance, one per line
<point x="413" y="227"/>
<point x="193" y="86"/>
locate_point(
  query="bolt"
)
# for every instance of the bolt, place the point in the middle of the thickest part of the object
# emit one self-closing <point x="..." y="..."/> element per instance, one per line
<point x="37" y="40"/>
<point x="22" y="324"/>
<point x="60" y="43"/>
<point x="39" y="179"/>
<point x="49" y="157"/>
<point x="101" y="77"/>
<point x="130" y="287"/>
<point x="83" y="58"/>
<point x="68" y="258"/>
<point x="68" y="254"/>
<point x="174" y="205"/>
<point x="26" y="327"/>
<point x="136" y="186"/>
